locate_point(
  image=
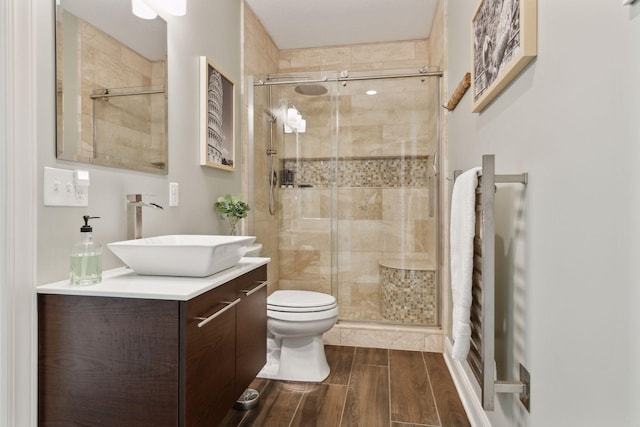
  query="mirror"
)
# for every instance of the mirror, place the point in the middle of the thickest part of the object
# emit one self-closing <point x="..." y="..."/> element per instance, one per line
<point x="111" y="99"/>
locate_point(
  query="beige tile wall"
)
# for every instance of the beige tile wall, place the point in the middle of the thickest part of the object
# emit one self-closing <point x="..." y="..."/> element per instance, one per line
<point x="366" y="57"/>
<point x="260" y="57"/>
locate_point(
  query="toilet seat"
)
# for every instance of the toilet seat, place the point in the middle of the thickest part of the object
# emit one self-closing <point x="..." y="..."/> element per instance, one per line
<point x="301" y="306"/>
<point x="302" y="316"/>
<point x="300" y="301"/>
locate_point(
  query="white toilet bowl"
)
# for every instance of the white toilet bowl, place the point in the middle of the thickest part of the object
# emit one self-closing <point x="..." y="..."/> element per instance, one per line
<point x="296" y="321"/>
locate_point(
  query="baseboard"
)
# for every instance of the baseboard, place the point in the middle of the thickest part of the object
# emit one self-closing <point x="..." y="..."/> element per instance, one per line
<point x="468" y="389"/>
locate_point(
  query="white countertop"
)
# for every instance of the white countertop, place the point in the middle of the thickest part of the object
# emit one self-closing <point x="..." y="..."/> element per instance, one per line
<point x="125" y="283"/>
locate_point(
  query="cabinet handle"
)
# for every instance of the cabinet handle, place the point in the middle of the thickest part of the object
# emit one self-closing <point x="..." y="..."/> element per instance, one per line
<point x="256" y="289"/>
<point x="206" y="320"/>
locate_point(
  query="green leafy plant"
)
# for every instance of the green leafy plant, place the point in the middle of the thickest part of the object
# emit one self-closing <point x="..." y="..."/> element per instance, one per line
<point x="231" y="208"/>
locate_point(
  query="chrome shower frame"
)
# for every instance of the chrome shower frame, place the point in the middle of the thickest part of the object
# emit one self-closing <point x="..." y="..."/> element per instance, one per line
<point x="344" y="77"/>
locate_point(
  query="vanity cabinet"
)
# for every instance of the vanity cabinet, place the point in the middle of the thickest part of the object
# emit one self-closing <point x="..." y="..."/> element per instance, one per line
<point x="113" y="361"/>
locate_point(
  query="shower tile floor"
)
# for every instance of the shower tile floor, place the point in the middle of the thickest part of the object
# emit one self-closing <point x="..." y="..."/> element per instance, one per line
<point x="367" y="387"/>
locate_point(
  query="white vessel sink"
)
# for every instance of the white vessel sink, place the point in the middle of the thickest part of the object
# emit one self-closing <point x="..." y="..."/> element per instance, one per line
<point x="182" y="255"/>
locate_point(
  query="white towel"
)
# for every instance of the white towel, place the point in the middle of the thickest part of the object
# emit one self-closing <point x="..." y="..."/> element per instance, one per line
<point x="463" y="217"/>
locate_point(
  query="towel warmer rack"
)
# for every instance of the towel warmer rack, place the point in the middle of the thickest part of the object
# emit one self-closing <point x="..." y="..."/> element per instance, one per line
<point x="481" y="354"/>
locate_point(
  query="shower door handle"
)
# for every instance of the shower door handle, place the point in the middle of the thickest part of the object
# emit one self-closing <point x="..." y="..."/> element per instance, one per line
<point x="434" y="164"/>
<point x="432" y="196"/>
<point x="432" y="186"/>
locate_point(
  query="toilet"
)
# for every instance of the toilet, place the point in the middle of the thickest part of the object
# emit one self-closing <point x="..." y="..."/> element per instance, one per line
<point x="296" y="321"/>
<point x="254" y="250"/>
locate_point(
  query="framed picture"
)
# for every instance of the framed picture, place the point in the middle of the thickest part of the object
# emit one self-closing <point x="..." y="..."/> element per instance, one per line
<point x="217" y="121"/>
<point x="504" y="39"/>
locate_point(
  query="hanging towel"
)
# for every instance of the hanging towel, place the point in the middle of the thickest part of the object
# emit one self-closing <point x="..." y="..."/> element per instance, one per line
<point x="463" y="217"/>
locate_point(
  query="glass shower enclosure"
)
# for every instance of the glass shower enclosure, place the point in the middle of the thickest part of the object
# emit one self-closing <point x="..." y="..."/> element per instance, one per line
<point x="346" y="172"/>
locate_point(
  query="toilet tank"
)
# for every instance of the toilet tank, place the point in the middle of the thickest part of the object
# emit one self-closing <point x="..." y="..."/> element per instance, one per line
<point x="254" y="250"/>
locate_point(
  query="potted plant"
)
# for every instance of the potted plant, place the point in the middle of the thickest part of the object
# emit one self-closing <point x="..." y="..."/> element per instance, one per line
<point x="232" y="208"/>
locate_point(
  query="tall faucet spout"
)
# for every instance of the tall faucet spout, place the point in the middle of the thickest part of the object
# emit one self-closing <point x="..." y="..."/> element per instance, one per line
<point x="134" y="215"/>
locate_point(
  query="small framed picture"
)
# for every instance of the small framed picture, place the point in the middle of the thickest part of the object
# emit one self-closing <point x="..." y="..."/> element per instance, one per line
<point x="217" y="121"/>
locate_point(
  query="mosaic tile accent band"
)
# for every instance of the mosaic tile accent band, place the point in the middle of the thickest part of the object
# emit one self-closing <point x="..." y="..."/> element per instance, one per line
<point x="390" y="172"/>
<point x="408" y="296"/>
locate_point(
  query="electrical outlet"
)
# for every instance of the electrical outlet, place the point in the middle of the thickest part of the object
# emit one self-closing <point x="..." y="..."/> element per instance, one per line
<point x="60" y="188"/>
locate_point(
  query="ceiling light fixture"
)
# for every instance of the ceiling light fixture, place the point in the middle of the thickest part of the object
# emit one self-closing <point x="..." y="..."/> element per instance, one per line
<point x="146" y="9"/>
<point x="142" y="10"/>
<point x="371" y="92"/>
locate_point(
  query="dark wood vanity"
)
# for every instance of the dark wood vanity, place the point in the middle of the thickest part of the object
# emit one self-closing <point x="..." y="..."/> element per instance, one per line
<point x="131" y="361"/>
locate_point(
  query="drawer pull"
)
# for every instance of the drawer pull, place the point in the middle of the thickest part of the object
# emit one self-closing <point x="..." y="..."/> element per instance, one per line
<point x="205" y="320"/>
<point x="261" y="285"/>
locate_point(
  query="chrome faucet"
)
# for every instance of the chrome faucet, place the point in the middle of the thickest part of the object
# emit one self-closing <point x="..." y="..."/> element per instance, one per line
<point x="134" y="215"/>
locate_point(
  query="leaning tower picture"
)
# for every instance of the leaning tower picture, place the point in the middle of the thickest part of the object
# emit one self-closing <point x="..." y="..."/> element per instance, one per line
<point x="215" y="102"/>
<point x="217" y="121"/>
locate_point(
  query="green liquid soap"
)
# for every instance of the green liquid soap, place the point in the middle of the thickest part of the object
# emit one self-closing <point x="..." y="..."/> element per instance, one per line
<point x="86" y="269"/>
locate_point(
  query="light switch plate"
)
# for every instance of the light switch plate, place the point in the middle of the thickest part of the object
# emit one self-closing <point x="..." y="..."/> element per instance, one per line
<point x="60" y="189"/>
<point x="174" y="194"/>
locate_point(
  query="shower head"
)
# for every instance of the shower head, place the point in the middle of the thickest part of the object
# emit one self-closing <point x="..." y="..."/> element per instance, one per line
<point x="311" y="89"/>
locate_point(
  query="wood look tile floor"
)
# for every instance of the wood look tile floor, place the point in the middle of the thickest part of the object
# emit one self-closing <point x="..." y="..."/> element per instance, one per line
<point x="367" y="387"/>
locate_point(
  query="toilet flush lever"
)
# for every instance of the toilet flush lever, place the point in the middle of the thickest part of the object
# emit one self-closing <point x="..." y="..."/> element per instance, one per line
<point x="261" y="284"/>
<point x="206" y="320"/>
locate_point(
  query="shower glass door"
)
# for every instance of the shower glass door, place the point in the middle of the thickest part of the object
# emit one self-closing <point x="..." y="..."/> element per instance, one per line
<point x="356" y="191"/>
<point x="386" y="195"/>
<point x="307" y="184"/>
<point x="295" y="142"/>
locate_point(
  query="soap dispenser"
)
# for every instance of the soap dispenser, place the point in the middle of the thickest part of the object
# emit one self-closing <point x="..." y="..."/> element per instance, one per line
<point x="86" y="257"/>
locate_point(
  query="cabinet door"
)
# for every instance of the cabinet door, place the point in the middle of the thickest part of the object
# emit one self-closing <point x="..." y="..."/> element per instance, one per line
<point x="208" y="380"/>
<point x="251" y="351"/>
<point x="107" y="361"/>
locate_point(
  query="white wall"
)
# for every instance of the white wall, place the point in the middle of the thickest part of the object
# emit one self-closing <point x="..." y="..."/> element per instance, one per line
<point x="634" y="300"/>
<point x="17" y="214"/>
<point x="209" y="28"/>
<point x="570" y="240"/>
